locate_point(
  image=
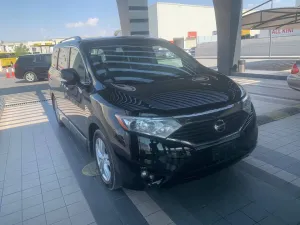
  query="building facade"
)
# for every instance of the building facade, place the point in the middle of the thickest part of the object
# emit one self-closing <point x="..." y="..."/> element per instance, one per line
<point x="182" y="24"/>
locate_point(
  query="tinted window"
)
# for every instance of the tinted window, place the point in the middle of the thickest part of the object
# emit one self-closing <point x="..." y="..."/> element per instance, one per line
<point x="76" y="63"/>
<point x="63" y="58"/>
<point x="38" y="59"/>
<point x="55" y="57"/>
<point x="47" y="59"/>
<point x="143" y="59"/>
<point x="25" y="60"/>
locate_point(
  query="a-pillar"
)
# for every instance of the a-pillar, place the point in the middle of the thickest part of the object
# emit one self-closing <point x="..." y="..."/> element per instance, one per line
<point x="228" y="19"/>
<point x="134" y="17"/>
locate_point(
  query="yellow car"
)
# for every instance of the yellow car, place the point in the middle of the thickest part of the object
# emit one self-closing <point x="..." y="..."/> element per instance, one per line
<point x="7" y="59"/>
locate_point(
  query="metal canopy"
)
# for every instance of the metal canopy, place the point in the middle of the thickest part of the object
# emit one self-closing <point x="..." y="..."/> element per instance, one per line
<point x="272" y="19"/>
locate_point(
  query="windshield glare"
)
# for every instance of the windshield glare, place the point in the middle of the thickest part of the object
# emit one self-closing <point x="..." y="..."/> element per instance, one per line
<point x="145" y="61"/>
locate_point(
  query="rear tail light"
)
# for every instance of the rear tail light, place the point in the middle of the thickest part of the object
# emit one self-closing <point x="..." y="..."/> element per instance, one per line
<point x="295" y="69"/>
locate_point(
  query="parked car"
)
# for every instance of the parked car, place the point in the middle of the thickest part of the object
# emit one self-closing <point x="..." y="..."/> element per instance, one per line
<point x="144" y="120"/>
<point x="293" y="79"/>
<point x="33" y="67"/>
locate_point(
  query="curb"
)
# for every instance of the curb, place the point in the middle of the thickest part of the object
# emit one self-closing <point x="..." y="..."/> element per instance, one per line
<point x="278" y="115"/>
<point x="262" y="76"/>
<point x="2" y="105"/>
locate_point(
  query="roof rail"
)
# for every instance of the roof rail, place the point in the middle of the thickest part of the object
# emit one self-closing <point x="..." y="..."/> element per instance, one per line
<point x="76" y="38"/>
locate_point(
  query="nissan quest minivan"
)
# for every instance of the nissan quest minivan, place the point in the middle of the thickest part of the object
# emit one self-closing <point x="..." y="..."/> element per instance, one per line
<point x="148" y="117"/>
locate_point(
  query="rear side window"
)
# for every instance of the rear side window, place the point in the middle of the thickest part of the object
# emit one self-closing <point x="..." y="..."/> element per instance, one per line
<point x="63" y="58"/>
<point x="25" y="60"/>
<point x="47" y="59"/>
<point x="55" y="57"/>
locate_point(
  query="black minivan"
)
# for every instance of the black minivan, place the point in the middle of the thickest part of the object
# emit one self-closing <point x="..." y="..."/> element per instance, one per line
<point x="148" y="118"/>
<point x="33" y="67"/>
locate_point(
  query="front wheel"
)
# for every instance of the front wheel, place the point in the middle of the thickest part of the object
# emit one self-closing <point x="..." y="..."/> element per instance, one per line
<point x="106" y="161"/>
<point x="30" y="76"/>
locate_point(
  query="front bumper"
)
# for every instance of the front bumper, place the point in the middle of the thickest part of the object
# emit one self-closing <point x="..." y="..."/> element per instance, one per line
<point x="167" y="159"/>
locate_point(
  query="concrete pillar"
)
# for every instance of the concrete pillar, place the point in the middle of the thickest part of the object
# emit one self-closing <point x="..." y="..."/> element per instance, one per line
<point x="228" y="19"/>
<point x="134" y="17"/>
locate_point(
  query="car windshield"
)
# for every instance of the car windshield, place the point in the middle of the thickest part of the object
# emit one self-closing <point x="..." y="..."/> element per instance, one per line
<point x="143" y="59"/>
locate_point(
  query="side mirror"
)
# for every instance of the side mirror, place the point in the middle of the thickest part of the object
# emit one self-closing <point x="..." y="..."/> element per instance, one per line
<point x="70" y="76"/>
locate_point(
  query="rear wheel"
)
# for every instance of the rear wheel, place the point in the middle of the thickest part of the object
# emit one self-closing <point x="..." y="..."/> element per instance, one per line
<point x="56" y="111"/>
<point x="106" y="161"/>
<point x="30" y="76"/>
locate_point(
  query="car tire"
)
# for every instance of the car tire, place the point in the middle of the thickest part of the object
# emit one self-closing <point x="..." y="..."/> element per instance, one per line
<point x="57" y="115"/>
<point x="106" y="161"/>
<point x="30" y="76"/>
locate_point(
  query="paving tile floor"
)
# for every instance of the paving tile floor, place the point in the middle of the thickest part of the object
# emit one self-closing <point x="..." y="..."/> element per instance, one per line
<point x="34" y="171"/>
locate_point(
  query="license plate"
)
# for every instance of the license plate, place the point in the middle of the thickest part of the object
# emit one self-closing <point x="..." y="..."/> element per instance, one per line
<point x="223" y="151"/>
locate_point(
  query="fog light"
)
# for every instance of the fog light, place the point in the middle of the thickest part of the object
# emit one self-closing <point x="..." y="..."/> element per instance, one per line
<point x="151" y="177"/>
<point x="144" y="174"/>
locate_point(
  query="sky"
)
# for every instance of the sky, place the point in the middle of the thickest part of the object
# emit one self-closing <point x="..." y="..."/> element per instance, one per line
<point x="26" y="20"/>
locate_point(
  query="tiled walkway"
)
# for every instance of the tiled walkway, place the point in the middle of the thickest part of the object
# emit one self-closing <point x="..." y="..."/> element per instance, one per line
<point x="37" y="185"/>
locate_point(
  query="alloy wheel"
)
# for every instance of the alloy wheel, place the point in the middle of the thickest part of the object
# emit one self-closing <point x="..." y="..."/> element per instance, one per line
<point x="103" y="160"/>
<point x="30" y="77"/>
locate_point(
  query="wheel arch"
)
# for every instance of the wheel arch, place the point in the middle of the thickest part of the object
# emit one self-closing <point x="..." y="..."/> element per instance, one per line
<point x="94" y="124"/>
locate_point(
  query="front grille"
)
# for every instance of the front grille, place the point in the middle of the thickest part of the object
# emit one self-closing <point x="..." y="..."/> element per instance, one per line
<point x="200" y="132"/>
<point x="186" y="98"/>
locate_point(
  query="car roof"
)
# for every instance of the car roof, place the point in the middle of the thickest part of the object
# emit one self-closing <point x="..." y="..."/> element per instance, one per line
<point x="78" y="40"/>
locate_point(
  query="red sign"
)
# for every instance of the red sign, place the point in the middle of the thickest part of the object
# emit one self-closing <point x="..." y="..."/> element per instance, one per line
<point x="284" y="31"/>
<point x="192" y="34"/>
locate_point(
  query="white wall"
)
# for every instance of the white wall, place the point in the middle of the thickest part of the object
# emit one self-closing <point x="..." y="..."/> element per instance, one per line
<point x="176" y="20"/>
<point x="153" y="22"/>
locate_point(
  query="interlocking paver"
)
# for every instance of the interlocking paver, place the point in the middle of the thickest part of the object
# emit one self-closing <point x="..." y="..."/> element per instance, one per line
<point x="286" y="176"/>
<point x="47" y="172"/>
<point x="53" y="194"/>
<point x="158" y="218"/>
<point x="64" y="174"/>
<point x="48" y="179"/>
<point x="31" y="192"/>
<point x="255" y="212"/>
<point x="205" y="215"/>
<point x="64" y="222"/>
<point x="50" y="186"/>
<point x="32" y="201"/>
<point x="70" y="189"/>
<point x="11" y="198"/>
<point x="57" y="215"/>
<point x="39" y="220"/>
<point x="74" y="197"/>
<point x="31" y="176"/>
<point x="11" y="189"/>
<point x="84" y="218"/>
<point x="54" y="204"/>
<point x="10" y="208"/>
<point x="11" y="219"/>
<point x="33" y="211"/>
<point x="67" y="181"/>
<point x="77" y="208"/>
<point x="30" y="184"/>
<point x="238" y="218"/>
<point x="271" y="220"/>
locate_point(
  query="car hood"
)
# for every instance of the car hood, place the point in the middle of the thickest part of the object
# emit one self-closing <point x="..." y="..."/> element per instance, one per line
<point x="172" y="96"/>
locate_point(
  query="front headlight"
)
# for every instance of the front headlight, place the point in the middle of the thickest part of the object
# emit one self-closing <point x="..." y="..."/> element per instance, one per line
<point x="159" y="127"/>
<point x="247" y="105"/>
